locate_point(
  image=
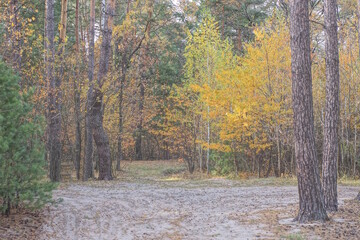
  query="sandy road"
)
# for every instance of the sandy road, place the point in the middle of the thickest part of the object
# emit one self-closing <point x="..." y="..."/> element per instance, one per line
<point x="124" y="210"/>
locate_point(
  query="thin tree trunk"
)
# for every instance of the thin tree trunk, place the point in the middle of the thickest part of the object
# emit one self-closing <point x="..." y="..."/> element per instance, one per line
<point x="122" y="81"/>
<point x="145" y="57"/>
<point x="88" y="160"/>
<point x="15" y="37"/>
<point x="355" y="148"/>
<point x="358" y="15"/>
<point x="77" y="99"/>
<point x="97" y="109"/>
<point x="331" y="151"/>
<point x="208" y="143"/>
<point x="311" y="199"/>
<point x="278" y="150"/>
<point x="53" y="114"/>
<point x="138" y="141"/>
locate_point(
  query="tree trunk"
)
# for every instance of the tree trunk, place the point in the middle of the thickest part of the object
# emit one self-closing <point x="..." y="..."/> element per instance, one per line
<point x="97" y="107"/>
<point x="138" y="141"/>
<point x="311" y="199"/>
<point x="145" y="57"/>
<point x="278" y="145"/>
<point x="358" y="15"/>
<point x="77" y="89"/>
<point x="239" y="40"/>
<point x="330" y="154"/>
<point x="122" y="79"/>
<point x="53" y="114"/>
<point x="208" y="143"/>
<point x="88" y="160"/>
<point x="15" y="37"/>
<point x="122" y="82"/>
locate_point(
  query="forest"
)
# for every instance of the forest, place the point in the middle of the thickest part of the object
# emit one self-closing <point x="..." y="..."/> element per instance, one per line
<point x="102" y="97"/>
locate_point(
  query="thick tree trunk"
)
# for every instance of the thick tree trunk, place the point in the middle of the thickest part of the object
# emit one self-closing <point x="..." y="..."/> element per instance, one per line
<point x="311" y="199"/>
<point x="53" y="114"/>
<point x="97" y="109"/>
<point x="88" y="160"/>
<point x="330" y="147"/>
<point x="358" y="15"/>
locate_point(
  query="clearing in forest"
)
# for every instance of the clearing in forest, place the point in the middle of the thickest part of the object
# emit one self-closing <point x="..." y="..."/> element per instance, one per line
<point x="157" y="200"/>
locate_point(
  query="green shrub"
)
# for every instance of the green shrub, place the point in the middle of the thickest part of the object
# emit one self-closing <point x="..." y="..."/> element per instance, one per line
<point x="22" y="163"/>
<point x="223" y="163"/>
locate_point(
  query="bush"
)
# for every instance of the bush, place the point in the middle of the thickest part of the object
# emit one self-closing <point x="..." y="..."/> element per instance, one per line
<point x="223" y="163"/>
<point x="22" y="160"/>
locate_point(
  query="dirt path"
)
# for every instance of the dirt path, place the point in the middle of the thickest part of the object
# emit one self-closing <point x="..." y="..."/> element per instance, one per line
<point x="176" y="210"/>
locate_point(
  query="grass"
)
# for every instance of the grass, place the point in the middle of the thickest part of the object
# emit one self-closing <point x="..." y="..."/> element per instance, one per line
<point x="295" y="236"/>
<point x="170" y="171"/>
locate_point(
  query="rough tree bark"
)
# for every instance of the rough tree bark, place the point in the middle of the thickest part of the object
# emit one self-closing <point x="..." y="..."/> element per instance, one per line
<point x="53" y="114"/>
<point x="311" y="199"/>
<point x="88" y="160"/>
<point x="77" y="89"/>
<point x="97" y="109"/>
<point x="358" y="15"/>
<point x="330" y="147"/>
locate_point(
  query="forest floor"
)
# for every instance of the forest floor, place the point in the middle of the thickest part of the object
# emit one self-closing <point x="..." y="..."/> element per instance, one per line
<point x="158" y="200"/>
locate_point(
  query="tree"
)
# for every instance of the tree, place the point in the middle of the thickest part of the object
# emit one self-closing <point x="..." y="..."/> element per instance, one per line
<point x="332" y="114"/>
<point x="22" y="162"/>
<point x="311" y="199"/>
<point x="206" y="54"/>
<point x="96" y="100"/>
<point x="77" y="97"/>
<point x="88" y="165"/>
<point x="54" y="97"/>
<point x="358" y="15"/>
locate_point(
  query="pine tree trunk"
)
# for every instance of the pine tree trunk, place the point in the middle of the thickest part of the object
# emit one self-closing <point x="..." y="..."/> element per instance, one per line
<point x="331" y="151"/>
<point x="88" y="160"/>
<point x="77" y="89"/>
<point x="97" y="109"/>
<point x="121" y="121"/>
<point x="311" y="199"/>
<point x="53" y="114"/>
<point x="358" y="15"/>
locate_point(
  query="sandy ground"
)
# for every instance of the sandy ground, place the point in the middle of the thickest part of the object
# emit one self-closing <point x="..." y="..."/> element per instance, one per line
<point x="218" y="209"/>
